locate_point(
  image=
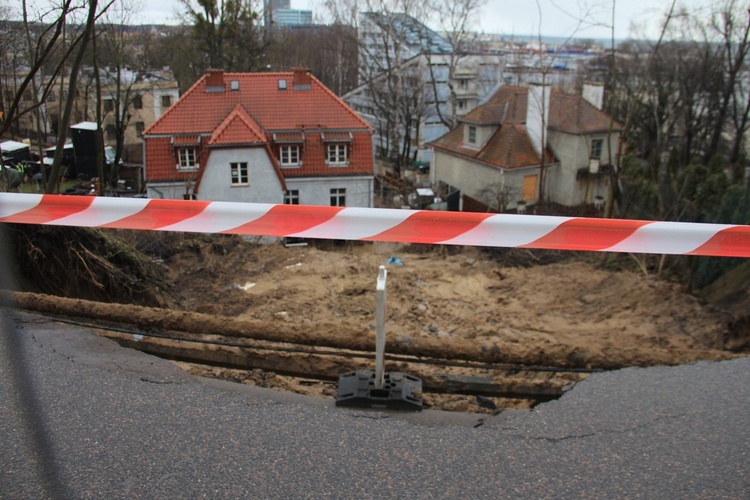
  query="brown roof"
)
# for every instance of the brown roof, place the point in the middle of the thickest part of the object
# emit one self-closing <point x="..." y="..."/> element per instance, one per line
<point x="575" y="115"/>
<point x="567" y="113"/>
<point x="507" y="105"/>
<point x="510" y="146"/>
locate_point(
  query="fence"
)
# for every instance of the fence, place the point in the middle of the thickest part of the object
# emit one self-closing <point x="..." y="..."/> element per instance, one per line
<point x="380" y="224"/>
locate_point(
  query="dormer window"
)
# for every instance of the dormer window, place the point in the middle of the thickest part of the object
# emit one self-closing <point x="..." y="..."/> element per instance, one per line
<point x="186" y="160"/>
<point x="337" y="154"/>
<point x="289" y="156"/>
<point x="472" y="139"/>
<point x="337" y="146"/>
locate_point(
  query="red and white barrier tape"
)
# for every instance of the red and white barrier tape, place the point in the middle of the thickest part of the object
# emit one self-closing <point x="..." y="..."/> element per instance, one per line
<point x="379" y="224"/>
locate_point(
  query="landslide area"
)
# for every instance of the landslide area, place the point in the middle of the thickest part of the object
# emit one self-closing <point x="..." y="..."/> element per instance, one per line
<point x="565" y="308"/>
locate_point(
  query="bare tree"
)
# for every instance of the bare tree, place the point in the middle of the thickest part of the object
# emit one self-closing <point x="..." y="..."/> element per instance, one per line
<point x="329" y="52"/>
<point x="497" y="196"/>
<point x="631" y="114"/>
<point x="75" y="66"/>
<point x="732" y="25"/>
<point x="228" y="33"/>
<point x="40" y="51"/>
<point x="397" y="58"/>
<point x="388" y="69"/>
<point x="455" y="19"/>
<point x="121" y="70"/>
<point x="586" y="16"/>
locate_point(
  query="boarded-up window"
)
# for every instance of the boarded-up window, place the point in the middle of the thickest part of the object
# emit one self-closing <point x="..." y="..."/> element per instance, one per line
<point x="529" y="187"/>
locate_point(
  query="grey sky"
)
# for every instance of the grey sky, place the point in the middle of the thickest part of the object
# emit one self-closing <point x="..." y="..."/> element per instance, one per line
<point x="637" y="18"/>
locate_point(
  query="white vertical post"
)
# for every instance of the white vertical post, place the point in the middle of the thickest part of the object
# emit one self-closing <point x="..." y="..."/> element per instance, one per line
<point x="380" y="327"/>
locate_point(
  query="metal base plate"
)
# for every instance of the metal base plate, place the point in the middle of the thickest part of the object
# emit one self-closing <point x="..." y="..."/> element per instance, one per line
<point x="400" y="391"/>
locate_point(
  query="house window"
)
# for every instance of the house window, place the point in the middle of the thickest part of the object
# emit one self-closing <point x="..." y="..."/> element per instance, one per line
<point x="166" y="101"/>
<point x="138" y="102"/>
<point x="338" y="197"/>
<point x="289" y="156"/>
<point x="338" y="154"/>
<point x="139" y="128"/>
<point x="462" y="104"/>
<point x="186" y="159"/>
<point x="529" y="187"/>
<point x="291" y="197"/>
<point x="110" y="132"/>
<point x="596" y="148"/>
<point x="472" y="134"/>
<point x="51" y="96"/>
<point x="109" y="105"/>
<point x="239" y="173"/>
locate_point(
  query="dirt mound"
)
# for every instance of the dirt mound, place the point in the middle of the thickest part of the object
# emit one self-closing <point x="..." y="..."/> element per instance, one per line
<point x="445" y="293"/>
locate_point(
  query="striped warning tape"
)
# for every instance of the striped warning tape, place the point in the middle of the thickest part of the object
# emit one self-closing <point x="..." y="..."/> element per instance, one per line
<point x="379" y="224"/>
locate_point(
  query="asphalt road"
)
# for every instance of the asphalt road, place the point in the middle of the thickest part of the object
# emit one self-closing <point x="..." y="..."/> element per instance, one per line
<point x="81" y="417"/>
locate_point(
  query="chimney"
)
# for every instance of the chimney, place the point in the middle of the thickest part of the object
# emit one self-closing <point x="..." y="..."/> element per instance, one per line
<point x="302" y="80"/>
<point x="215" y="80"/>
<point x="593" y="93"/>
<point x="537" y="114"/>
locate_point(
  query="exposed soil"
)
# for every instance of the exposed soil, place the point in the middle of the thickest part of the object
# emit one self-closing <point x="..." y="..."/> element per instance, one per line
<point x="447" y="293"/>
<point x="567" y="309"/>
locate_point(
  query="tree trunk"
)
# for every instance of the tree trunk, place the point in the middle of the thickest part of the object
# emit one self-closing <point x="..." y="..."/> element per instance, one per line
<point x="65" y="119"/>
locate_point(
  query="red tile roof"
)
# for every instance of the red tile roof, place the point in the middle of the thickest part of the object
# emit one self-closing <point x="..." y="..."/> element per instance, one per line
<point x="237" y="128"/>
<point x="199" y="111"/>
<point x="261" y="111"/>
<point x="186" y="140"/>
<point x="289" y="137"/>
<point x="337" y="137"/>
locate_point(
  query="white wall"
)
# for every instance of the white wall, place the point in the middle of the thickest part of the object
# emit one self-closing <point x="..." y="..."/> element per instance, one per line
<point x="264" y="185"/>
<point x="472" y="177"/>
<point x="317" y="190"/>
<point x="158" y="93"/>
<point x="573" y="152"/>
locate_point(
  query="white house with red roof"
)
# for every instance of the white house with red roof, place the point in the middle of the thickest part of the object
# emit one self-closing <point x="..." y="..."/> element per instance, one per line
<point x="261" y="138"/>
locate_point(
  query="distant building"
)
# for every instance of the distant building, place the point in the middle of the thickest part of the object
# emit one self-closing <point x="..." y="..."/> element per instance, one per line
<point x="292" y="17"/>
<point x="279" y="14"/>
<point x="264" y="138"/>
<point x="146" y="96"/>
<point x="426" y="61"/>
<point x="493" y="159"/>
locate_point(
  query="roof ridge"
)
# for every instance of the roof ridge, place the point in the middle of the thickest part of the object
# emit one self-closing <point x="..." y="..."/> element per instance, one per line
<point x="509" y="155"/>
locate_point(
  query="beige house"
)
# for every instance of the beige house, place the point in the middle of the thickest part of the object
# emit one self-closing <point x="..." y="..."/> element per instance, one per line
<point x="149" y="95"/>
<point x="146" y="97"/>
<point x="502" y="152"/>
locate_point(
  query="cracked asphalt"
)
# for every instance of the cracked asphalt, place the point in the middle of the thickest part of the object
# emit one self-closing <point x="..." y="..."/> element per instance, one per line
<point x="81" y="417"/>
